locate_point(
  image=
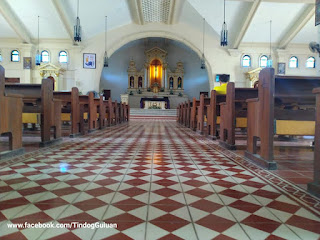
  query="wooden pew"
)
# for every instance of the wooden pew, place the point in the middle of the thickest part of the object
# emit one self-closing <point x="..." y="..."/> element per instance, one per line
<point x="213" y="113"/>
<point x="265" y="120"/>
<point x="314" y="187"/>
<point x="202" y="113"/>
<point x="188" y="106"/>
<point x="10" y="119"/>
<point x="193" y="114"/>
<point x="233" y="113"/>
<point x="110" y="112"/>
<point x="71" y="110"/>
<point x="38" y="98"/>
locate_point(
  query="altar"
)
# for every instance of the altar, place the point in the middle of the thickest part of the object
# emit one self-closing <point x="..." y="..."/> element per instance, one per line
<point x="155" y="103"/>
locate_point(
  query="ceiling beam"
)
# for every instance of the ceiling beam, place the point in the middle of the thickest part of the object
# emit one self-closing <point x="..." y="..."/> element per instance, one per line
<point x="175" y="11"/>
<point x="296" y="27"/>
<point x="135" y="7"/>
<point x="246" y="23"/>
<point x="60" y="8"/>
<point x="15" y="23"/>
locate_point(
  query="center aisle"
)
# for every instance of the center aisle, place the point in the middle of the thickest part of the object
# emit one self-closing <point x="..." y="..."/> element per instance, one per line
<point x="155" y="180"/>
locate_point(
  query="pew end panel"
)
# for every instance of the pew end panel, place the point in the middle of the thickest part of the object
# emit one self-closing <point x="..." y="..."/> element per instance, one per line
<point x="314" y="187"/>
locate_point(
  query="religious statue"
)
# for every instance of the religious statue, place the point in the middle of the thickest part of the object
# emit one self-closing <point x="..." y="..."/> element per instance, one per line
<point x="131" y="82"/>
<point x="179" y="82"/>
<point x="171" y="83"/>
<point x="140" y="82"/>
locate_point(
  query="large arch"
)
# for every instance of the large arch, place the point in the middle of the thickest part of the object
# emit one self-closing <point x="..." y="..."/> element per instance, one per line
<point x="162" y="34"/>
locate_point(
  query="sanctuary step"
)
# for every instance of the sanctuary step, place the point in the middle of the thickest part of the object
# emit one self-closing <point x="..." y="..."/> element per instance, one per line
<point x="138" y="113"/>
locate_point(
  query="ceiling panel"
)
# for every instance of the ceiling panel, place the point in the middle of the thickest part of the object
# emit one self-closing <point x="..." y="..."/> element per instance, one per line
<point x="6" y="30"/>
<point x="50" y="23"/>
<point x="281" y="14"/>
<point x="307" y="34"/>
<point x="92" y="15"/>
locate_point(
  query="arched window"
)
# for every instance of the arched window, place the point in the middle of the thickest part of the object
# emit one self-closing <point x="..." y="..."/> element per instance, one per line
<point x="293" y="62"/>
<point x="45" y="56"/>
<point x="15" y="56"/>
<point x="246" y="61"/>
<point x="263" y="62"/>
<point x="63" y="57"/>
<point x="311" y="62"/>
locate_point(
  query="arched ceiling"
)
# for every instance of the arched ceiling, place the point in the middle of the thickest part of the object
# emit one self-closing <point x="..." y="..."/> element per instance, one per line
<point x="248" y="20"/>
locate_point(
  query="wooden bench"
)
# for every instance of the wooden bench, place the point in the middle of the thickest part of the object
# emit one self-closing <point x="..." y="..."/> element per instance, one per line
<point x="202" y="113"/>
<point x="265" y="120"/>
<point x="213" y="113"/>
<point x="314" y="187"/>
<point x="233" y="113"/>
<point x="38" y="98"/>
<point x="10" y="119"/>
<point x="71" y="110"/>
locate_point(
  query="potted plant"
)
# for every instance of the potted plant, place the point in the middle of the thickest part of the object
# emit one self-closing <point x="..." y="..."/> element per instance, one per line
<point x="149" y="89"/>
<point x="171" y="92"/>
<point x="131" y="93"/>
<point x="162" y="89"/>
<point x="180" y="94"/>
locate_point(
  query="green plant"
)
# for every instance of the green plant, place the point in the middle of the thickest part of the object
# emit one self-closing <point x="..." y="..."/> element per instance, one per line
<point x="162" y="89"/>
<point x="139" y="91"/>
<point x="131" y="93"/>
<point x="149" y="89"/>
<point x="171" y="92"/>
<point x="154" y="107"/>
<point x="180" y="94"/>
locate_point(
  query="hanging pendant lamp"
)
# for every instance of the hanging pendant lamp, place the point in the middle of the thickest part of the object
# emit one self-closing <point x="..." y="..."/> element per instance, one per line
<point x="269" y="63"/>
<point x="77" y="27"/>
<point x="38" y="55"/>
<point x="106" y="59"/>
<point x="203" y="64"/>
<point x="224" y="31"/>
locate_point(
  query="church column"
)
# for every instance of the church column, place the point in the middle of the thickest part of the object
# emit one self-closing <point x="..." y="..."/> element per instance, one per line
<point x="162" y="78"/>
<point x="165" y="79"/>
<point x="145" y="77"/>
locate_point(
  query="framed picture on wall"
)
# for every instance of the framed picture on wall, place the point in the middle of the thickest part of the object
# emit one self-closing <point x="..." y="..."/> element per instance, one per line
<point x="317" y="13"/>
<point x="27" y="63"/>
<point x="282" y="68"/>
<point x="89" y="60"/>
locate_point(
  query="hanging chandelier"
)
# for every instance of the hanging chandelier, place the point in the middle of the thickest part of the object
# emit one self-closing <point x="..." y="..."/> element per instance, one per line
<point x="38" y="55"/>
<point x="106" y="59"/>
<point x="77" y="27"/>
<point x="224" y="31"/>
<point x="203" y="64"/>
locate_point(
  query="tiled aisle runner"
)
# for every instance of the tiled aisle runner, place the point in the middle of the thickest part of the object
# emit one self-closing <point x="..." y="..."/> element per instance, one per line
<point x="156" y="180"/>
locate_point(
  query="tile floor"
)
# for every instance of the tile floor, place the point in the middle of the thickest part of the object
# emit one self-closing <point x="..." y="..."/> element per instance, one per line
<point x="155" y="180"/>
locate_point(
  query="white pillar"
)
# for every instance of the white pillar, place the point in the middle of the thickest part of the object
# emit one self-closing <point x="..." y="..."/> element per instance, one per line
<point x="145" y="78"/>
<point x="165" y="79"/>
<point x="162" y="77"/>
<point x="148" y="74"/>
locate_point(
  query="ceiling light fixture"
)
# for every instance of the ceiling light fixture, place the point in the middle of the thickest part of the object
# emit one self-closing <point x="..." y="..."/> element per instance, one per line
<point x="106" y="59"/>
<point x="224" y="31"/>
<point x="203" y="64"/>
<point x="38" y="56"/>
<point x="77" y="27"/>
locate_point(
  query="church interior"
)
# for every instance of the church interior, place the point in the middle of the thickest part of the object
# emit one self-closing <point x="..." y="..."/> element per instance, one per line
<point x="160" y="119"/>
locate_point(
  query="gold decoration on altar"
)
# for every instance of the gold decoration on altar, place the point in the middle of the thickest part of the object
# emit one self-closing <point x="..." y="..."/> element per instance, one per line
<point x="50" y="70"/>
<point x="253" y="76"/>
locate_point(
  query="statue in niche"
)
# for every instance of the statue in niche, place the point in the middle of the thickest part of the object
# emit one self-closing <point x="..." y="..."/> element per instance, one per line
<point x="179" y="82"/>
<point x="131" y="82"/>
<point x="140" y="82"/>
<point x="171" y="83"/>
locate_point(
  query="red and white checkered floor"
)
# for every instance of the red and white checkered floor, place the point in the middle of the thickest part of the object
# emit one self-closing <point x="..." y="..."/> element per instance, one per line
<point x="155" y="180"/>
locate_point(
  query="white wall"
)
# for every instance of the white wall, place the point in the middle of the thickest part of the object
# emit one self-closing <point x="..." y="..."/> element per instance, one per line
<point x="218" y="59"/>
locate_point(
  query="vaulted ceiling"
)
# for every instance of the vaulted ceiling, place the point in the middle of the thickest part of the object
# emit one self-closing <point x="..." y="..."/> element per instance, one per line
<point x="248" y="20"/>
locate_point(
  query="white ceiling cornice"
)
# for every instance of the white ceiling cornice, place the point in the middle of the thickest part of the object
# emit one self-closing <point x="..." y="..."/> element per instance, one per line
<point x="136" y="11"/>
